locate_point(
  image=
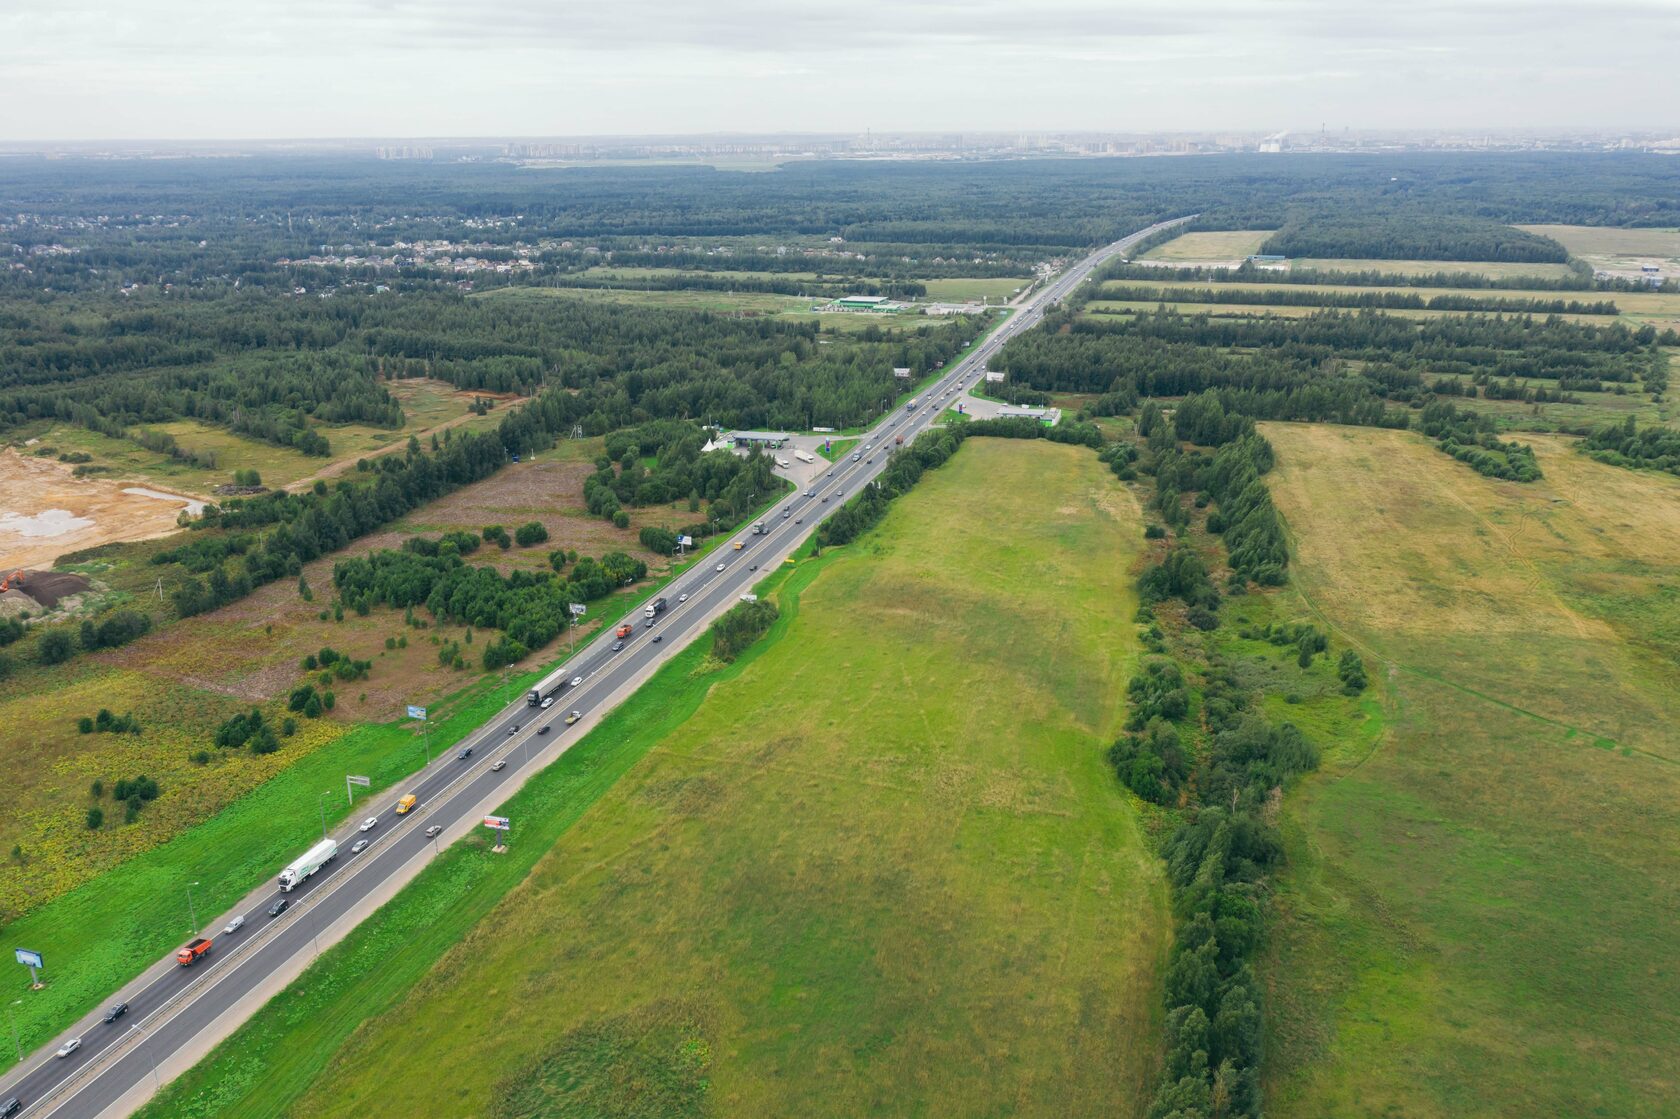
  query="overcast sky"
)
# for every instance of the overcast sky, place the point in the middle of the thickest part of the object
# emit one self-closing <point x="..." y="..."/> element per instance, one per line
<point x="92" y="69"/>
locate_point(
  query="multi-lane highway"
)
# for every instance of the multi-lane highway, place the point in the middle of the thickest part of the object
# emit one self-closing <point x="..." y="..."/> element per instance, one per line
<point x="177" y="1012"/>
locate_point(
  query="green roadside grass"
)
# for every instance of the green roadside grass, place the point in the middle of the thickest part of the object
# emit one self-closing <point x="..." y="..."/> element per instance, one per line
<point x="273" y="1058"/>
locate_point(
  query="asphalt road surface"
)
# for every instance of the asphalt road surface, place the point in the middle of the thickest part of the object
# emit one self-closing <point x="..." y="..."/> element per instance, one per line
<point x="172" y="1008"/>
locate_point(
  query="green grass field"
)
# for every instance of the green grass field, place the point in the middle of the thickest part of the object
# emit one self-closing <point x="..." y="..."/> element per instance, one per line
<point x="763" y="303"/>
<point x="1478" y="914"/>
<point x="1280" y="311"/>
<point x="1194" y="248"/>
<point x="961" y="290"/>
<point x="883" y="866"/>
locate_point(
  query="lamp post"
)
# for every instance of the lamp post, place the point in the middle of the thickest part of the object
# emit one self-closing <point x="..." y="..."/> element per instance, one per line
<point x="321" y="803"/>
<point x="192" y="911"/>
<point x="157" y="1081"/>
<point x="11" y="1017"/>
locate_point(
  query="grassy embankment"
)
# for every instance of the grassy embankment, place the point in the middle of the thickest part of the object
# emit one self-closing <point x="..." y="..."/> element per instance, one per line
<point x="1478" y="915"/>
<point x="882" y="866"/>
<point x="1208" y="245"/>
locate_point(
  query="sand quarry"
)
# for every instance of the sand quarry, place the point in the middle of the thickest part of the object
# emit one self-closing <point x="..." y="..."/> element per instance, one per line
<point x="45" y="512"/>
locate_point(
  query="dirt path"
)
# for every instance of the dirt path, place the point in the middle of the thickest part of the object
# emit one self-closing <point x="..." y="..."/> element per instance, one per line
<point x="334" y="469"/>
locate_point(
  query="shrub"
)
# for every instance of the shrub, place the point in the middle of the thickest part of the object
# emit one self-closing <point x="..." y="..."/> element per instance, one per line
<point x="95" y="818"/>
<point x="744" y="623"/>
<point x="84" y="725"/>
<point x="55" y="647"/>
<point x="1351" y="669"/>
<point x="529" y="533"/>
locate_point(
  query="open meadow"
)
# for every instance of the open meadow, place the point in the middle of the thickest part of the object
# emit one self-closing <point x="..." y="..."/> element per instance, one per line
<point x="1494" y="269"/>
<point x="1615" y="249"/>
<point x="1210" y="245"/>
<point x="1478" y="915"/>
<point x="883" y="868"/>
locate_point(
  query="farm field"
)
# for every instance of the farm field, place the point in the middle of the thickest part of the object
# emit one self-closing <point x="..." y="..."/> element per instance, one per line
<point x="958" y="289"/>
<point x="1476" y="914"/>
<point x="1613" y="248"/>
<point x="1281" y="311"/>
<point x="755" y="302"/>
<point x="1493" y="268"/>
<point x="1214" y="245"/>
<point x="766" y="903"/>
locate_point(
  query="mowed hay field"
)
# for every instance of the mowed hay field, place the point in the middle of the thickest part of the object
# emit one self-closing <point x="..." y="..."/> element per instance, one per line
<point x="1191" y="248"/>
<point x="1479" y="915"/>
<point x="884" y="870"/>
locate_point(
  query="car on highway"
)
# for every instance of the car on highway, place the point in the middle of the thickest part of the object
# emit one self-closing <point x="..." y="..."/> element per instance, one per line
<point x="69" y="1047"/>
<point x="277" y="908"/>
<point x="116" y="1012"/>
<point x="825" y="499"/>
<point x="839" y="493"/>
<point x="577" y="681"/>
<point x="369" y="824"/>
<point x="799" y="520"/>
<point x="658" y="637"/>
<point x="682" y="598"/>
<point x="867" y="461"/>
<point x="813" y="493"/>
<point x="830" y="474"/>
<point x="543" y="729"/>
<point x="498" y="765"/>
<point x="359" y="846"/>
<point x="466" y="751"/>
<point x="10" y="1108"/>
<point x="786" y="513"/>
<point x="855" y="458"/>
<point x="434" y="831"/>
<point x="617" y="646"/>
<point x="548" y="701"/>
<point x="233" y="926"/>
<point x="720" y="567"/>
<point x="573" y="717"/>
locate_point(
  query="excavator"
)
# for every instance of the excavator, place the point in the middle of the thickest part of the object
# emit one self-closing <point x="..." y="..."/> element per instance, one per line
<point x="15" y="578"/>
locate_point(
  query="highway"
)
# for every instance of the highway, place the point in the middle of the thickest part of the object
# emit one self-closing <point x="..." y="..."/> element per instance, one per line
<point x="175" y="1010"/>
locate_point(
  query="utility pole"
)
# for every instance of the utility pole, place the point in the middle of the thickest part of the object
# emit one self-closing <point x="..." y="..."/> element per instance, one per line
<point x="321" y="803"/>
<point x="192" y="912"/>
<point x="11" y="1016"/>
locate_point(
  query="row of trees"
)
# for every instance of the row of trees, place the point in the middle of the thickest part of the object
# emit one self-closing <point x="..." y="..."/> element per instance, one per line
<point x="1281" y="296"/>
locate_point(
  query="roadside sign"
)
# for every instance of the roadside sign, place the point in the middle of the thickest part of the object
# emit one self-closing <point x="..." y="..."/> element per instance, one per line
<point x="364" y="782"/>
<point x="29" y="959"/>
<point x="686" y="541"/>
<point x="578" y="608"/>
<point x="500" y="823"/>
<point x="416" y="712"/>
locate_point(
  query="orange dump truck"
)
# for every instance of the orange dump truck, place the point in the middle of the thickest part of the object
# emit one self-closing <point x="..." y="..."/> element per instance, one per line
<point x="197" y="947"/>
<point x="624" y="630"/>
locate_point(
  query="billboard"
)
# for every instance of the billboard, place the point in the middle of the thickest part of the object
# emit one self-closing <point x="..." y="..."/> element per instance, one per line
<point x="500" y="823"/>
<point x="29" y="959"/>
<point x="578" y="608"/>
<point x="416" y="712"/>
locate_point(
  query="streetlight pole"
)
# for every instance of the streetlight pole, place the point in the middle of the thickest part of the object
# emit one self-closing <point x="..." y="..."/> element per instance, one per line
<point x="321" y="803"/>
<point x="192" y="911"/>
<point x="157" y="1081"/>
<point x="11" y="1016"/>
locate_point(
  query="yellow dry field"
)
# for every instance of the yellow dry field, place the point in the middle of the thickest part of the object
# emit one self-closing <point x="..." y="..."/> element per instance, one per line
<point x="45" y="512"/>
<point x="1595" y="243"/>
<point x="1478" y="914"/>
<point x="1279" y="310"/>
<point x="1494" y="268"/>
<point x="1229" y="244"/>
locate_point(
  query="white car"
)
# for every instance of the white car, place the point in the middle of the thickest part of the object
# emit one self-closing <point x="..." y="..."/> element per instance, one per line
<point x="682" y="598"/>
<point x="69" y="1047"/>
<point x="434" y="830"/>
<point x="548" y="702"/>
<point x="233" y="926"/>
<point x="577" y="681"/>
<point x="720" y="567"/>
<point x="370" y="823"/>
<point x="813" y="493"/>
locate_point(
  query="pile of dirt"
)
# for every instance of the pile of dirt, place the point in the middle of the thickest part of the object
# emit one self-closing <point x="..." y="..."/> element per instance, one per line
<point x="48" y="588"/>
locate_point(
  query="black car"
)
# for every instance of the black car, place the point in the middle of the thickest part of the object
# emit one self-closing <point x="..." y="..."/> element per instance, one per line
<point x="11" y="1106"/>
<point x="658" y="637"/>
<point x="543" y="729"/>
<point x="466" y="752"/>
<point x="277" y="908"/>
<point x="116" y="1012"/>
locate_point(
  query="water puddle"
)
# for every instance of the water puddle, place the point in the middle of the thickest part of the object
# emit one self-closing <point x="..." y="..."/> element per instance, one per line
<point x="46" y="523"/>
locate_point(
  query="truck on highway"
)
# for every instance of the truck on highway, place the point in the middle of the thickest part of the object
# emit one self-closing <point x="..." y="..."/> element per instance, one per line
<point x="911" y="407"/>
<point x="197" y="947"/>
<point x="805" y="457"/>
<point x="308" y="863"/>
<point x="759" y="529"/>
<point x="406" y="804"/>
<point x="624" y="630"/>
<point x="654" y="608"/>
<point x="898" y="440"/>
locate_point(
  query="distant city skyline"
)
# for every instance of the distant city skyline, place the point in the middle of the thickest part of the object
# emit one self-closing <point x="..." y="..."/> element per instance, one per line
<point x="95" y="69"/>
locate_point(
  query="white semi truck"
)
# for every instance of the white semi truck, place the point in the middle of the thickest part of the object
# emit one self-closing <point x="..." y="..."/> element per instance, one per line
<point x="805" y="457"/>
<point x="308" y="863"/>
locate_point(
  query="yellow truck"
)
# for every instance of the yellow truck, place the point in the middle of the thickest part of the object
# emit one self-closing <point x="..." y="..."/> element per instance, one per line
<point x="407" y="803"/>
